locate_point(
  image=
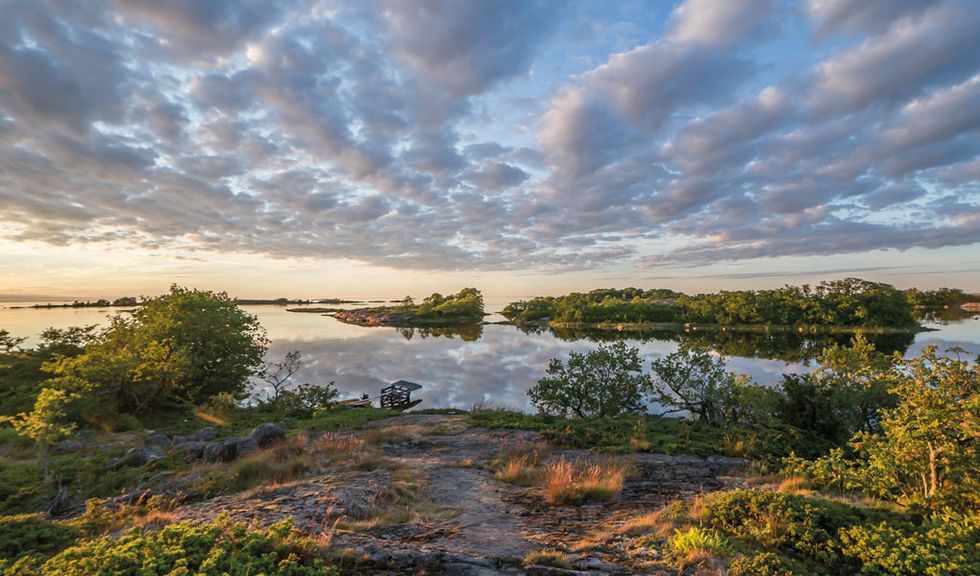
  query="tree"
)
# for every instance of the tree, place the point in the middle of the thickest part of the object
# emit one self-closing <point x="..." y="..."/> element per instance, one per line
<point x="45" y="423"/>
<point x="928" y="446"/>
<point x="277" y="374"/>
<point x="855" y="376"/>
<point x="692" y="380"/>
<point x="69" y="341"/>
<point x="10" y="343"/>
<point x="183" y="347"/>
<point x="605" y="382"/>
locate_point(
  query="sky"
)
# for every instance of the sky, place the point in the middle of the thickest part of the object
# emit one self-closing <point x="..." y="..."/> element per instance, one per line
<point x="318" y="148"/>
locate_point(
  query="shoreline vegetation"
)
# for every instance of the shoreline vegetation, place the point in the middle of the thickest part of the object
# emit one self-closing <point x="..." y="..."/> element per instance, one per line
<point x="841" y="306"/>
<point x="129" y="302"/>
<point x="436" y="311"/>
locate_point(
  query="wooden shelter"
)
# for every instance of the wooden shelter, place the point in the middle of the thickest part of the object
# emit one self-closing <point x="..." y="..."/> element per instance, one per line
<point x="398" y="396"/>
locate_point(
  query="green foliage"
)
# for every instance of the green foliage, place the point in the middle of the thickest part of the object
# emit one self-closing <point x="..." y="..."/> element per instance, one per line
<point x="785" y="522"/>
<point x="838" y="538"/>
<point x="651" y="433"/>
<point x="34" y="535"/>
<point x="807" y="404"/>
<point x="183" y="347"/>
<point x="943" y="545"/>
<point x="219" y="548"/>
<point x="605" y="382"/>
<point x="20" y="378"/>
<point x="69" y="341"/>
<point x="855" y="375"/>
<point x="698" y="539"/>
<point x="306" y="399"/>
<point x="467" y="304"/>
<point x="939" y="298"/>
<point x="45" y="424"/>
<point x="692" y="380"/>
<point x="762" y="564"/>
<point x="10" y="343"/>
<point x="845" y="303"/>
<point x="926" y="452"/>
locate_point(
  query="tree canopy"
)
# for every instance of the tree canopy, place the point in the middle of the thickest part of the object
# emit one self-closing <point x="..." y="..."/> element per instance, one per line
<point x="183" y="347"/>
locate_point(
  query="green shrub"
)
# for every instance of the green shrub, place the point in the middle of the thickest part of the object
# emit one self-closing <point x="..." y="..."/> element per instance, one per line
<point x="762" y="564"/>
<point x="696" y="540"/>
<point x="33" y="534"/>
<point x="944" y="545"/>
<point x="784" y="521"/>
<point x="219" y="548"/>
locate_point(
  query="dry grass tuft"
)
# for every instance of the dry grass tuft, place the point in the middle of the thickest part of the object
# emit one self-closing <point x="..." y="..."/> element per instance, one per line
<point x="578" y="481"/>
<point x="552" y="558"/>
<point x="659" y="523"/>
<point x="794" y="485"/>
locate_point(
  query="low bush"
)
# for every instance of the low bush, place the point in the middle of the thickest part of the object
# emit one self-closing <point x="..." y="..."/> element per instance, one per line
<point x="783" y="521"/>
<point x="944" y="545"/>
<point x="33" y="534"/>
<point x="762" y="564"/>
<point x="218" y="548"/>
<point x="695" y="545"/>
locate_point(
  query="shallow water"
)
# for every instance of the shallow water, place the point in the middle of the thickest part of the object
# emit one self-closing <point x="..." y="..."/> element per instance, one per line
<point x="490" y="364"/>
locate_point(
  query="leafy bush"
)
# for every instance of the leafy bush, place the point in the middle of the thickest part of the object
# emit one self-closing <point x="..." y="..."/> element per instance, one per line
<point x="762" y="564"/>
<point x="180" y="348"/>
<point x="219" y="548"/>
<point x="605" y="382"/>
<point x="695" y="539"/>
<point x="784" y="521"/>
<point x="944" y="545"/>
<point x="33" y="534"/>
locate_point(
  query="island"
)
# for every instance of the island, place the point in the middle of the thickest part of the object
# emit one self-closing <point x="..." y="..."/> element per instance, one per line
<point x="464" y="307"/>
<point x="847" y="305"/>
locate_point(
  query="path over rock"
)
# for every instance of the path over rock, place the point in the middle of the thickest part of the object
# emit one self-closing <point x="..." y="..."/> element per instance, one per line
<point x="475" y="524"/>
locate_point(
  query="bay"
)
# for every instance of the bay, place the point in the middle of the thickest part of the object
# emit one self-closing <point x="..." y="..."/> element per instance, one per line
<point x="492" y="365"/>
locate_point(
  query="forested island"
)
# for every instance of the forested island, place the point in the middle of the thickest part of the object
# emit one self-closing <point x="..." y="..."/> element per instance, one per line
<point x="840" y="305"/>
<point x="464" y="307"/>
<point x="126" y="301"/>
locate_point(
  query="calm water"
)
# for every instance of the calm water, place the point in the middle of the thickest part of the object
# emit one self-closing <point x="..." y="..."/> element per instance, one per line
<point x="490" y="364"/>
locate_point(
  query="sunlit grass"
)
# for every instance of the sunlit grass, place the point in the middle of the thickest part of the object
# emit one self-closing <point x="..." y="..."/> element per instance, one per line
<point x="577" y="481"/>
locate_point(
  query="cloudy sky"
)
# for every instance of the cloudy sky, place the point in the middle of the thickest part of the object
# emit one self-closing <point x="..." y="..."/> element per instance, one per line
<point x="320" y="148"/>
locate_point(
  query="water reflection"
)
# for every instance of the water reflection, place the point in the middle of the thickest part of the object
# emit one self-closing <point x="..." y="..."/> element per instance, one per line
<point x="496" y="364"/>
<point x="467" y="333"/>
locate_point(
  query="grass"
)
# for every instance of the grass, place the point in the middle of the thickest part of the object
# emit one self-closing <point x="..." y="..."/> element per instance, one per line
<point x="551" y="558"/>
<point x="696" y="545"/>
<point x="404" y="499"/>
<point x="650" y="433"/>
<point x="660" y="523"/>
<point x="521" y="467"/>
<point x="579" y="481"/>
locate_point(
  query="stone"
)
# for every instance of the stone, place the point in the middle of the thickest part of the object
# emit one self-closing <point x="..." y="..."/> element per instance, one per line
<point x="69" y="446"/>
<point x="268" y="433"/>
<point x="141" y="455"/>
<point x="230" y="450"/>
<point x="204" y="435"/>
<point x="158" y="440"/>
<point x="193" y="449"/>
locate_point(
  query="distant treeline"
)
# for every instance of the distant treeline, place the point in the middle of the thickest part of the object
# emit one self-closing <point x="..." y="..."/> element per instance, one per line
<point x="101" y="303"/>
<point x="850" y="302"/>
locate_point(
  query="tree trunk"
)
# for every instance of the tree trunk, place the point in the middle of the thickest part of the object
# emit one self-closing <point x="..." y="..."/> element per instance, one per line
<point x="44" y="461"/>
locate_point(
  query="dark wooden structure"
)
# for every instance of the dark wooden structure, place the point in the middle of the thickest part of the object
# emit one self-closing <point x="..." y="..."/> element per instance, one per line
<point x="398" y="396"/>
